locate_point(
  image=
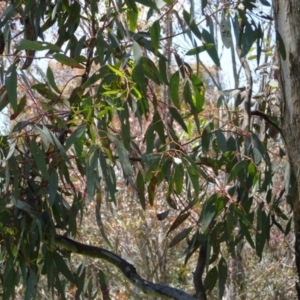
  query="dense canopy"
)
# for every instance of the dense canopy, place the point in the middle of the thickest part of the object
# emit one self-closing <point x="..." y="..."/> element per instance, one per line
<point x="149" y="109"/>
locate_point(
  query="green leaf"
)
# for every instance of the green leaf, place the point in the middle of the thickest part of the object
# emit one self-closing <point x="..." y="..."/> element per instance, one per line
<point x="39" y="157"/>
<point x="177" y="117"/>
<point x="206" y="139"/>
<point x="49" y="138"/>
<point x="65" y="60"/>
<point x="4" y="101"/>
<point x="151" y="189"/>
<point x="150" y="70"/>
<point x="158" y="126"/>
<point x="31" y="285"/>
<point x="178" y="221"/>
<point x="223" y="272"/>
<point x="93" y="79"/>
<point x="180" y="236"/>
<point x="109" y="177"/>
<point x="179" y="177"/>
<point x="20" y="108"/>
<point x="44" y="91"/>
<point x="212" y="52"/>
<point x="132" y="17"/>
<point x="62" y="267"/>
<point x="261" y="231"/>
<point x="188" y="98"/>
<point x="259" y="146"/>
<point x="75" y="136"/>
<point x="248" y="38"/>
<point x="53" y="185"/>
<point x="139" y="78"/>
<point x="246" y="232"/>
<point x="148" y="3"/>
<point x="91" y="177"/>
<point x="51" y="80"/>
<point x="9" y="280"/>
<point x="155" y="35"/>
<point x="7" y="14"/>
<point x="11" y="86"/>
<point x="124" y="115"/>
<point x="281" y="45"/>
<point x="199" y="49"/>
<point x="211" y="279"/>
<point x="162" y="65"/>
<point x="123" y="157"/>
<point x="199" y="92"/>
<point x="221" y="140"/>
<point x="190" y="21"/>
<point x="241" y="165"/>
<point x="174" y="88"/>
<point x="208" y="212"/>
<point x="180" y="64"/>
<point x="194" y="178"/>
<point x="37" y="46"/>
<point x="231" y="219"/>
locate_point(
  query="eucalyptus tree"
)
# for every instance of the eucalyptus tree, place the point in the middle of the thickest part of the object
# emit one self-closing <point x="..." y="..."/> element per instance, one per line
<point x="216" y="171"/>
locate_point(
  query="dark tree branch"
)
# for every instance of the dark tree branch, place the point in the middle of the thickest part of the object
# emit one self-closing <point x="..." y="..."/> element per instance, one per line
<point x="125" y="267"/>
<point x="198" y="283"/>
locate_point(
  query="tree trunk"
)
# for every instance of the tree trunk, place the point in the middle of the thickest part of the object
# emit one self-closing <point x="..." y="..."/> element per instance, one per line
<point x="287" y="17"/>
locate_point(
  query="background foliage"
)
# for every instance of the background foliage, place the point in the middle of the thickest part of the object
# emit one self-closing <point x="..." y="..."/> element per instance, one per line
<point x="114" y="117"/>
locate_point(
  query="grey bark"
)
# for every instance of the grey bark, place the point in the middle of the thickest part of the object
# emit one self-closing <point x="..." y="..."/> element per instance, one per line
<point x="287" y="19"/>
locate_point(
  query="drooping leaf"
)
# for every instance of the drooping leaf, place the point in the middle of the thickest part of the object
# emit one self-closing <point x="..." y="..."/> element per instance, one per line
<point x="281" y="45"/>
<point x="241" y="165"/>
<point x="192" y="24"/>
<point x="62" y="267"/>
<point x="25" y="44"/>
<point x="177" y="117"/>
<point x="180" y="236"/>
<point x="40" y="159"/>
<point x="162" y="64"/>
<point x="31" y="285"/>
<point x="11" y="86"/>
<point x="51" y="80"/>
<point x="155" y="35"/>
<point x="178" y="221"/>
<point x="221" y="140"/>
<point x="123" y="157"/>
<point x="208" y="212"/>
<point x="261" y="232"/>
<point x="53" y="186"/>
<point x="223" y="272"/>
<point x="65" y="60"/>
<point x="212" y="52"/>
<point x="174" y="88"/>
<point x="200" y="49"/>
<point x="211" y="279"/>
<point x="248" y="38"/>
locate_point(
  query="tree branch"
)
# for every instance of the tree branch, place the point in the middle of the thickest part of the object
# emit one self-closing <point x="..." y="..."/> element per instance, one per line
<point x="125" y="267"/>
<point x="198" y="283"/>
